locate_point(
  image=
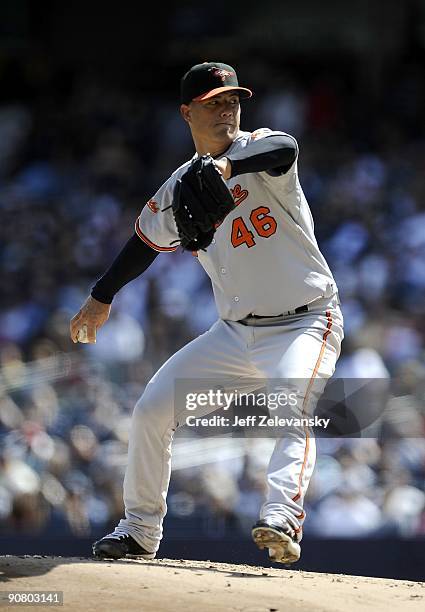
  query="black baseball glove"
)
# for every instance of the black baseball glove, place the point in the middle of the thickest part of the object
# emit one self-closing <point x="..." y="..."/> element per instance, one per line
<point x="201" y="200"/>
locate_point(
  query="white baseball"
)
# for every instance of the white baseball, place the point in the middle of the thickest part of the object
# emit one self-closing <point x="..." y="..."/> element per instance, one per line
<point x="82" y="334"/>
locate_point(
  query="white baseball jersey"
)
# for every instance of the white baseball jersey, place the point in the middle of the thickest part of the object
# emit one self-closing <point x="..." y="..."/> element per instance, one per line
<point x="264" y="258"/>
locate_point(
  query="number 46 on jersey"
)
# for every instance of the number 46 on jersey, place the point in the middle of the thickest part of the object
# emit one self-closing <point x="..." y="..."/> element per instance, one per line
<point x="262" y="223"/>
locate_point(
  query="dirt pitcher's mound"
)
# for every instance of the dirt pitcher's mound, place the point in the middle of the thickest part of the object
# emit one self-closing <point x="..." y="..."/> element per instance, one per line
<point x="169" y="585"/>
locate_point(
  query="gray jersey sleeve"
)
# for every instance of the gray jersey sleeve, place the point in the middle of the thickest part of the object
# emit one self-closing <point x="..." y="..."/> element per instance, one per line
<point x="260" y="142"/>
<point x="272" y="152"/>
<point x="155" y="225"/>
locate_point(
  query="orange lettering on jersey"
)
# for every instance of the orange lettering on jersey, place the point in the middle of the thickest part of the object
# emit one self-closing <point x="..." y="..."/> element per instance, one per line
<point x="153" y="206"/>
<point x="264" y="224"/>
<point x="239" y="194"/>
<point x="241" y="234"/>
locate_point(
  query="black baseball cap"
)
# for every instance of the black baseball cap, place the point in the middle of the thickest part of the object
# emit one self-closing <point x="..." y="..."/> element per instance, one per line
<point x="209" y="79"/>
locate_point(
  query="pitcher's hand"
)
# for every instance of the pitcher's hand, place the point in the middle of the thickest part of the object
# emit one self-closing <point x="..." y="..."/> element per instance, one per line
<point x="92" y="315"/>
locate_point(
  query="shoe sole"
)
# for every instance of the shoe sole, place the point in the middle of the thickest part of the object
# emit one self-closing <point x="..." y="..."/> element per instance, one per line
<point x="282" y="549"/>
<point x="110" y="553"/>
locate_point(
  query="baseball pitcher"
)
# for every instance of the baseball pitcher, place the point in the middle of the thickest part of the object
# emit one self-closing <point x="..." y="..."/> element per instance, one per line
<point x="239" y="207"/>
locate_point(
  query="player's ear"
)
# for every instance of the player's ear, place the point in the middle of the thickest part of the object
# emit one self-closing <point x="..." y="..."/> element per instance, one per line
<point x="185" y="112"/>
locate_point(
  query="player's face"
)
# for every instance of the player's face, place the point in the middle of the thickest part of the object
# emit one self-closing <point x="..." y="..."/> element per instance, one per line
<point x="216" y="119"/>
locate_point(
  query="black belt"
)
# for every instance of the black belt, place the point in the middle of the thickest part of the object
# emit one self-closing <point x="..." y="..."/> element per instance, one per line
<point x="298" y="310"/>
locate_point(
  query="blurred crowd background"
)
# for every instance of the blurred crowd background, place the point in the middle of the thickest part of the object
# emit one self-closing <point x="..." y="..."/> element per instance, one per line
<point x="89" y="129"/>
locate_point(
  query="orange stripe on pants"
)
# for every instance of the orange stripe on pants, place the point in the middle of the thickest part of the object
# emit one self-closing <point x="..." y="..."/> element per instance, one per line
<point x="310" y="384"/>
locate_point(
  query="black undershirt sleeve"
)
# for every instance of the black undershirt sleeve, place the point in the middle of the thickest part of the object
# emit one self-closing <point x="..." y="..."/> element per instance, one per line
<point x="274" y="154"/>
<point x="133" y="259"/>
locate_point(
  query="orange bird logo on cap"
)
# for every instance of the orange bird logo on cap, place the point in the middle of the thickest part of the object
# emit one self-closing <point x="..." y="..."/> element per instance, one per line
<point x="219" y="72"/>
